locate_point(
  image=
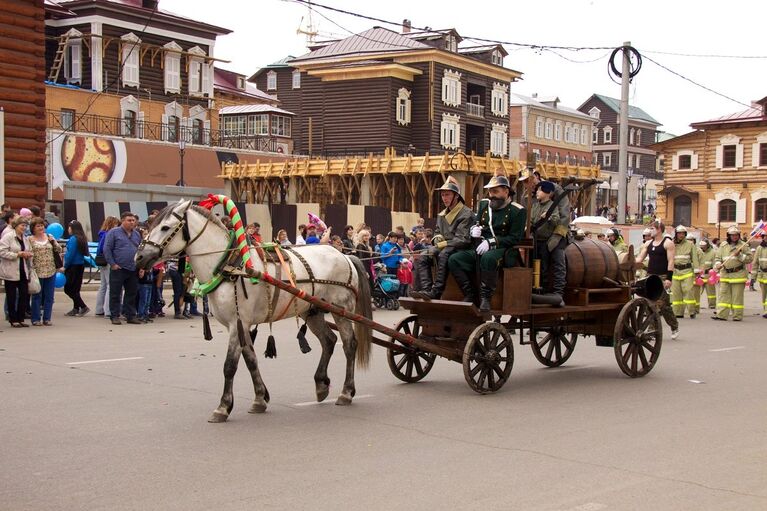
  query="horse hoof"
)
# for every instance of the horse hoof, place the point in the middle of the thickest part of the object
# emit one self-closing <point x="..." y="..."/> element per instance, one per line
<point x="257" y="408"/>
<point x="343" y="400"/>
<point x="217" y="417"/>
<point x="322" y="394"/>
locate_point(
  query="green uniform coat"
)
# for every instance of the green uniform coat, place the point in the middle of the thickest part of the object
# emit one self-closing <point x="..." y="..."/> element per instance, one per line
<point x="760" y="267"/>
<point x="682" y="284"/>
<point x="509" y="229"/>
<point x="706" y="262"/>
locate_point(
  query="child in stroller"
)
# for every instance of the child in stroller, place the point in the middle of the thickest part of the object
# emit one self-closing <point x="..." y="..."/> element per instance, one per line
<point x="386" y="289"/>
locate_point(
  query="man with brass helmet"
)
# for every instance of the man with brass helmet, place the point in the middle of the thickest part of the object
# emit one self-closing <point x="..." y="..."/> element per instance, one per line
<point x="500" y="226"/>
<point x="760" y="265"/>
<point x="706" y="256"/>
<point x="731" y="259"/>
<point x="451" y="235"/>
<point x="685" y="267"/>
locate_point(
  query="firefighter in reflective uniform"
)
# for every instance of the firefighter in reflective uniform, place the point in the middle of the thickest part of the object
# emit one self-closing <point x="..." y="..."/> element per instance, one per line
<point x="706" y="256"/>
<point x="685" y="267"/>
<point x="731" y="259"/>
<point x="760" y="264"/>
<point x="616" y="241"/>
<point x="500" y="226"/>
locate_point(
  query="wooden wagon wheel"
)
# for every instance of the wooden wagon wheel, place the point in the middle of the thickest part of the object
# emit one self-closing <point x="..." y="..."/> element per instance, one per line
<point x="411" y="364"/>
<point x="638" y="337"/>
<point x="488" y="358"/>
<point x="554" y="348"/>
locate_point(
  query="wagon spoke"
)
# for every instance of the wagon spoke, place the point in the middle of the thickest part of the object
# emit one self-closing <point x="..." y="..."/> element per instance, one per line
<point x="475" y="370"/>
<point x="627" y="353"/>
<point x="417" y="362"/>
<point x="558" y="348"/>
<point x="482" y="376"/>
<point x="406" y="328"/>
<point x="402" y="361"/>
<point x="642" y="357"/>
<point x="545" y="341"/>
<point x="649" y="347"/>
<point x="503" y="345"/>
<point x="497" y="369"/>
<point x="494" y="339"/>
<point x="551" y="347"/>
<point x="490" y="379"/>
<point x="566" y="342"/>
<point x="409" y="370"/>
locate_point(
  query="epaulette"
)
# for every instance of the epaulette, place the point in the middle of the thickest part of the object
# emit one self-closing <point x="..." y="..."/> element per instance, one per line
<point x="517" y="205"/>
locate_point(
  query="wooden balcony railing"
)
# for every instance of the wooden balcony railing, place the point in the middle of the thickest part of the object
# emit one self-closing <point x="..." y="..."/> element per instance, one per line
<point x="155" y="131"/>
<point x="474" y="110"/>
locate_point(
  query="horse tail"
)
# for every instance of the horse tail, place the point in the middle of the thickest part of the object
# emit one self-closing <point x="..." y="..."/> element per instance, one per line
<point x="364" y="308"/>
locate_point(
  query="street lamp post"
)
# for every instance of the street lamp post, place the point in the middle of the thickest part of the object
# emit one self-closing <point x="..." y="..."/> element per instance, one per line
<point x="642" y="186"/>
<point x="181" y="148"/>
<point x="629" y="173"/>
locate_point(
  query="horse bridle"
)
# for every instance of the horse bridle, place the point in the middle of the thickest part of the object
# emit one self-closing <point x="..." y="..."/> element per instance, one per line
<point x="182" y="226"/>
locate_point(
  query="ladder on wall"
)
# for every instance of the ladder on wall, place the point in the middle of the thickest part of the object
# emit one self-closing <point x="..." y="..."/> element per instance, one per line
<point x="58" y="59"/>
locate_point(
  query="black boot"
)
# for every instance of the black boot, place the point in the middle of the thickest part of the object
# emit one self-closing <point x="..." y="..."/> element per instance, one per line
<point x="423" y="275"/>
<point x="439" y="283"/>
<point x="464" y="283"/>
<point x="489" y="279"/>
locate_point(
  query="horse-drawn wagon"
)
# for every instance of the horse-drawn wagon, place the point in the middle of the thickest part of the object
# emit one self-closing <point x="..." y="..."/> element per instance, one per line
<point x="600" y="303"/>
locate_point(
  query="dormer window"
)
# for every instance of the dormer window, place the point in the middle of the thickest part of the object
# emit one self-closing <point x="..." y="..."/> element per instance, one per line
<point x="497" y="58"/>
<point x="271" y="80"/>
<point x="241" y="82"/>
<point x="594" y="112"/>
<point x="451" y="43"/>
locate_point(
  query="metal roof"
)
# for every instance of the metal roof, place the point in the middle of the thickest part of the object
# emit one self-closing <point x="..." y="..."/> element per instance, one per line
<point x="520" y="100"/>
<point x="754" y="113"/>
<point x="375" y="40"/>
<point x="634" y="111"/>
<point x="253" y="109"/>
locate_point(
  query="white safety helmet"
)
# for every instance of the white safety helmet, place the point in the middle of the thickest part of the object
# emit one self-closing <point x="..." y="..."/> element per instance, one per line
<point x="703" y="243"/>
<point x="646" y="232"/>
<point x="733" y="229"/>
<point x="681" y="228"/>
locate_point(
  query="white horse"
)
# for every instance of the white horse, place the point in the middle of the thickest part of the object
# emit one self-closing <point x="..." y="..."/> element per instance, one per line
<point x="320" y="270"/>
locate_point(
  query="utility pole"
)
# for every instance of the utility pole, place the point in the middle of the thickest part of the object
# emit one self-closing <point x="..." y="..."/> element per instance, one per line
<point x="623" y="133"/>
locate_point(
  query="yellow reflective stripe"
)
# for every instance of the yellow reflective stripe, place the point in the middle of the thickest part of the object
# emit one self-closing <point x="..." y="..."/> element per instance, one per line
<point x="724" y="305"/>
<point x="683" y="277"/>
<point x="690" y="302"/>
<point x="713" y="297"/>
<point x="737" y="307"/>
<point x="680" y="302"/>
<point x="762" y="281"/>
<point x="734" y="281"/>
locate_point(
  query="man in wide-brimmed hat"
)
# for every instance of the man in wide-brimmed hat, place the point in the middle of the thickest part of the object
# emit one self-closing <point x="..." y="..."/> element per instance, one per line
<point x="500" y="226"/>
<point x="451" y="234"/>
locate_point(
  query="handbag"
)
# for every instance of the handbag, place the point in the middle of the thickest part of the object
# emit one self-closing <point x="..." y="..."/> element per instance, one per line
<point x="33" y="287"/>
<point x="56" y="256"/>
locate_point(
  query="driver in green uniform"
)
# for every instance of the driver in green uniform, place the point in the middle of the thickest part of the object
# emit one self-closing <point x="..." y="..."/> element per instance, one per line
<point x="500" y="226"/>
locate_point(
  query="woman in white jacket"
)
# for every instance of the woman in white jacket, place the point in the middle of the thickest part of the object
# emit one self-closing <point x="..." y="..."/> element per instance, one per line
<point x="15" y="261"/>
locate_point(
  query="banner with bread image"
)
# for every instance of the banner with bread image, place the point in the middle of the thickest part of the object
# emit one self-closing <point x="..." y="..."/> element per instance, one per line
<point x="87" y="159"/>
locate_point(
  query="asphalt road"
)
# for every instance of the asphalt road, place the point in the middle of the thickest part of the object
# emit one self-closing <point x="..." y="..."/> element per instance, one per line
<point x="96" y="416"/>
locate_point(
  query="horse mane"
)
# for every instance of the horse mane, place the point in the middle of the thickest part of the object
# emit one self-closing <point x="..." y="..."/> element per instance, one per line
<point x="167" y="210"/>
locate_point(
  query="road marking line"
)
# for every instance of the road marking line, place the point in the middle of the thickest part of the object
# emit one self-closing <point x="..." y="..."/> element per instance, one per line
<point x="310" y="403"/>
<point x="728" y="349"/>
<point x="104" y="360"/>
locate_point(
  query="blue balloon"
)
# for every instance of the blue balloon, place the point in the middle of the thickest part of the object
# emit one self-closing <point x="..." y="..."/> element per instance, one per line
<point x="61" y="279"/>
<point x="56" y="230"/>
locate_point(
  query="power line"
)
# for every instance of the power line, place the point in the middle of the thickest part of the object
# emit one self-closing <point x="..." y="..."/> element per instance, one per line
<point x="311" y="4"/>
<point x="696" y="83"/>
<point x="705" y="55"/>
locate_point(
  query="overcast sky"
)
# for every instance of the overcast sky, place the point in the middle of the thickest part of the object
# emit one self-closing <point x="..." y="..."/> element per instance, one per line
<point x="265" y="31"/>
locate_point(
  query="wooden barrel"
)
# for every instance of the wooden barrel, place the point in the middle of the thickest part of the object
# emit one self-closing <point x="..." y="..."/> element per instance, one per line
<point x="588" y="261"/>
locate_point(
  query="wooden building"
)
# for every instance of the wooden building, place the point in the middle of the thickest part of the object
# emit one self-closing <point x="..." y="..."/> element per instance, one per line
<point x="716" y="176"/>
<point x="417" y="92"/>
<point x="22" y="100"/>
<point x="641" y="157"/>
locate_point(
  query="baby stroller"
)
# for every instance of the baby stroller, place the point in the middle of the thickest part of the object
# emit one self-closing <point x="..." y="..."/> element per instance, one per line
<point x="386" y="289"/>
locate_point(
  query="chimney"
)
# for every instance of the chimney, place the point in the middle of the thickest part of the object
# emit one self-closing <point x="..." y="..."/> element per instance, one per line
<point x="406" y="26"/>
<point x="150" y="4"/>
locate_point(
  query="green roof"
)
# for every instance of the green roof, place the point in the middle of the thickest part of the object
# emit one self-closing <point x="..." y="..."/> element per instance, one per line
<point x="634" y="111"/>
